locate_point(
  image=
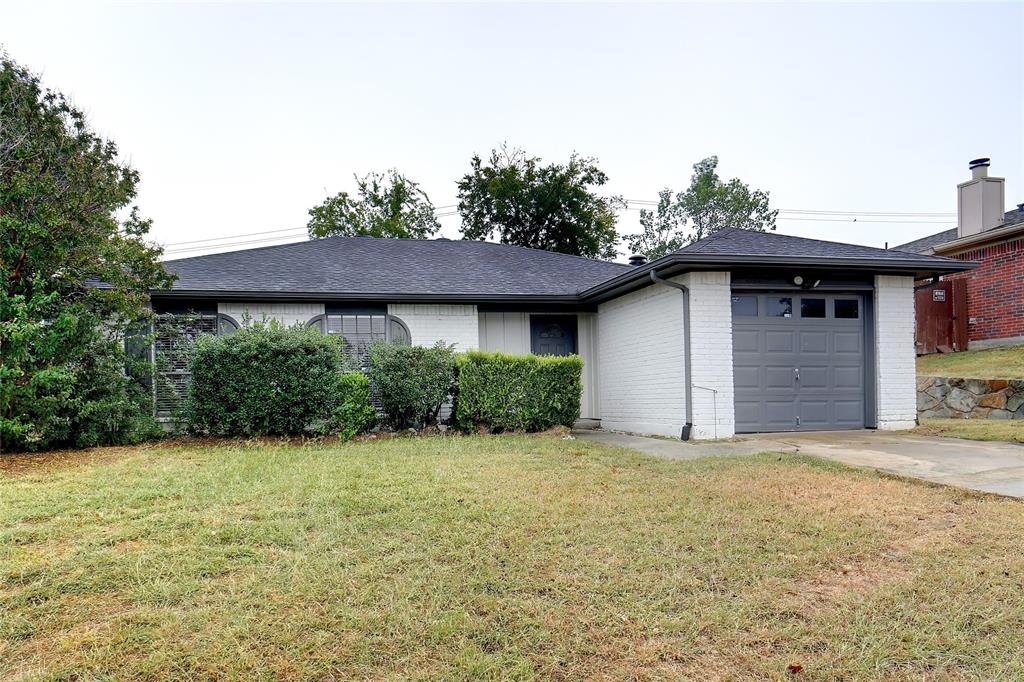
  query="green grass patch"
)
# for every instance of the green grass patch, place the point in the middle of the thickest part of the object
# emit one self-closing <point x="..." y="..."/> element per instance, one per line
<point x="1008" y="430"/>
<point x="497" y="557"/>
<point x="997" y="363"/>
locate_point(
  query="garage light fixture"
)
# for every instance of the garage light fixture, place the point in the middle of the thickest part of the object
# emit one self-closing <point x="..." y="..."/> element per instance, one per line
<point x="801" y="282"/>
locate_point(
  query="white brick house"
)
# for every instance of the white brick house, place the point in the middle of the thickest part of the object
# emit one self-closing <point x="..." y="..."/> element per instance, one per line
<point x="740" y="332"/>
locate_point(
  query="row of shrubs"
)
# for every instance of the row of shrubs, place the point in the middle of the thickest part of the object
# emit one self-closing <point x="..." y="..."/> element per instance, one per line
<point x="269" y="380"/>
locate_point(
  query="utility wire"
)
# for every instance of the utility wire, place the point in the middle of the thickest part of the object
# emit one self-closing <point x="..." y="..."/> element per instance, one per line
<point x="808" y="215"/>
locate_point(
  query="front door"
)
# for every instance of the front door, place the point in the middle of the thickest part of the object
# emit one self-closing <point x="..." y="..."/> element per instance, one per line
<point x="798" y="361"/>
<point x="553" y="334"/>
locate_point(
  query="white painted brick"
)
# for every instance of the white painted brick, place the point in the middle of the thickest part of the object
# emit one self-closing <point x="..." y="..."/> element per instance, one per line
<point x="711" y="353"/>
<point x="640" y="351"/>
<point x="430" y="323"/>
<point x="895" y="368"/>
<point x="641" y="364"/>
<point x="285" y="313"/>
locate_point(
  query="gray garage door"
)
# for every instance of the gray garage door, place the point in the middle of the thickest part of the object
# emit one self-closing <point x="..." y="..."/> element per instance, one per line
<point x="798" y="361"/>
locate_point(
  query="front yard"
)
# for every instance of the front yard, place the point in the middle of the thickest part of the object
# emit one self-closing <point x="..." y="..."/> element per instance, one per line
<point x="996" y="363"/>
<point x="1007" y="430"/>
<point x="516" y="557"/>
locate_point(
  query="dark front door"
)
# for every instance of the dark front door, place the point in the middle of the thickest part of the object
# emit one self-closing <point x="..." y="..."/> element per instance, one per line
<point x="553" y="334"/>
<point x="798" y="361"/>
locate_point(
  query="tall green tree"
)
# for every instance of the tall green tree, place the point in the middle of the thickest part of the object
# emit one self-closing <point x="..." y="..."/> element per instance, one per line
<point x="705" y="207"/>
<point x="386" y="205"/>
<point x="553" y="207"/>
<point x="662" y="228"/>
<point x="76" y="276"/>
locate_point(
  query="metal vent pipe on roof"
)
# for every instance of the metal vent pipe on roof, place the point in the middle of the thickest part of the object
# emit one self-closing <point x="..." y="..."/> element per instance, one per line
<point x="979" y="167"/>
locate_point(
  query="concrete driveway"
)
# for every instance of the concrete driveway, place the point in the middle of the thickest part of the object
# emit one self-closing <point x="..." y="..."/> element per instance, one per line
<point x="979" y="465"/>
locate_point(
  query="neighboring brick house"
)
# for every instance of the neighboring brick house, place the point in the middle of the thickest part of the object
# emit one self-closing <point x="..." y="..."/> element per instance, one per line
<point x="739" y="332"/>
<point x="994" y="239"/>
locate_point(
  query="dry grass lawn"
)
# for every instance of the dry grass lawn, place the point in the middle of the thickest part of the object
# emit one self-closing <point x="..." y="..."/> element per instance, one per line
<point x="998" y="363"/>
<point x="498" y="557"/>
<point x="1008" y="430"/>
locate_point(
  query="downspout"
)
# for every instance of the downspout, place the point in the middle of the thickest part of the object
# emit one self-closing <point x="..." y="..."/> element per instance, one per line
<point x="685" y="435"/>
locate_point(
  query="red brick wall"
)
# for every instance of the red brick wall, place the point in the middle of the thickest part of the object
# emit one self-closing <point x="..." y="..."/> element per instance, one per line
<point x="995" y="290"/>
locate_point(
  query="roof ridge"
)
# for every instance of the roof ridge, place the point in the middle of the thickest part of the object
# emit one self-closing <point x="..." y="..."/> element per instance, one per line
<point x="397" y="239"/>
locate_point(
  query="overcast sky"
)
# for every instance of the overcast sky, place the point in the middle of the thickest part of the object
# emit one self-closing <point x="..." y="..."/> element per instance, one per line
<point x="240" y="117"/>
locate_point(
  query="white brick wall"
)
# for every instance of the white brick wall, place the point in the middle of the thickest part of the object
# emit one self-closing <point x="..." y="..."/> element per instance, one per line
<point x="430" y="323"/>
<point x="640" y="362"/>
<point x="286" y="313"/>
<point x="895" y="371"/>
<point x="711" y="353"/>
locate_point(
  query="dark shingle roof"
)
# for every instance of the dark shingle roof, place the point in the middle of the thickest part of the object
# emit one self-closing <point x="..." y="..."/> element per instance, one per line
<point x="1015" y="216"/>
<point x="926" y="244"/>
<point x="738" y="242"/>
<point x="380" y="267"/>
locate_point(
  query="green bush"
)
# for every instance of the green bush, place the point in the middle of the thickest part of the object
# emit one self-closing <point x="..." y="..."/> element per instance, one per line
<point x="355" y="413"/>
<point x="412" y="383"/>
<point x="264" y="380"/>
<point x="517" y="392"/>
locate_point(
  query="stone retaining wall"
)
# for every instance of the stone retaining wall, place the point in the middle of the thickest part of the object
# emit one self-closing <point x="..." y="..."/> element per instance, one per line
<point x="970" y="398"/>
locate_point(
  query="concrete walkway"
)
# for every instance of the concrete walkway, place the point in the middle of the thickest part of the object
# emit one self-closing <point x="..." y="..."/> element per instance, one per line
<point x="979" y="465"/>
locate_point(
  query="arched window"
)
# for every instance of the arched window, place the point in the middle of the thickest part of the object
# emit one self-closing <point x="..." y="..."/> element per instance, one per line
<point x="174" y="335"/>
<point x="226" y="324"/>
<point x="398" y="332"/>
<point x="358" y="329"/>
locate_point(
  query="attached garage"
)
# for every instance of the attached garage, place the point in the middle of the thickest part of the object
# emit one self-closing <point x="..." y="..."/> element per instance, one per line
<point x="799" y="361"/>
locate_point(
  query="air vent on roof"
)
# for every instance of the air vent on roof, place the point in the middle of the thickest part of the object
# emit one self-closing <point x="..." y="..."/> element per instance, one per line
<point x="637" y="260"/>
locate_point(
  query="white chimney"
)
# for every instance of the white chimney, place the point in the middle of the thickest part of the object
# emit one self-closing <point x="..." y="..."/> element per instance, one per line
<point x="980" y="201"/>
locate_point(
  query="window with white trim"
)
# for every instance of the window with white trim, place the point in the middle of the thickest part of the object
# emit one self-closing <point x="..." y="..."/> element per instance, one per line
<point x="173" y="338"/>
<point x="359" y="328"/>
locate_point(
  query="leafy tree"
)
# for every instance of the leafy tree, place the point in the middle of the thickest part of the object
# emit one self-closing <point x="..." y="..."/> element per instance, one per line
<point x="552" y="207"/>
<point x="388" y="205"/>
<point x="662" y="228"/>
<point x="708" y="205"/>
<point x="76" y="278"/>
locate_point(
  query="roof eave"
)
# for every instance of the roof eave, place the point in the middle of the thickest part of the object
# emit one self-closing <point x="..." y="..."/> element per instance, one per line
<point x="252" y="295"/>
<point x="674" y="264"/>
<point x="978" y="239"/>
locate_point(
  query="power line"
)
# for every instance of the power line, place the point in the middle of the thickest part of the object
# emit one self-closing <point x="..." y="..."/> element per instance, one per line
<point x="226" y="244"/>
<point x="649" y="202"/>
<point x="868" y="213"/>
<point x="867" y="220"/>
<point x="805" y="215"/>
<point x="234" y="236"/>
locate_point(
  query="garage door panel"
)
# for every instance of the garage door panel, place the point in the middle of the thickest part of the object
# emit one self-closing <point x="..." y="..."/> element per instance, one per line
<point x="812" y="377"/>
<point x="780" y="414"/>
<point x="814" y="413"/>
<point x="747" y="377"/>
<point x="814" y="342"/>
<point x="850" y="377"/>
<point x="849" y="341"/>
<point x="748" y="415"/>
<point x="850" y="412"/>
<point x="776" y="378"/>
<point x="746" y="341"/>
<point x="779" y="341"/>
<point x="828" y="353"/>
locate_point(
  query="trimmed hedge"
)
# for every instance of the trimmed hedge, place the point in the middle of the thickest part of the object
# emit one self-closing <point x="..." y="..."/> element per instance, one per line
<point x="355" y="413"/>
<point x="264" y="380"/>
<point x="412" y="382"/>
<point x="517" y="392"/>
